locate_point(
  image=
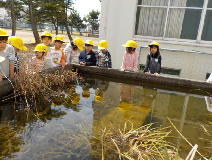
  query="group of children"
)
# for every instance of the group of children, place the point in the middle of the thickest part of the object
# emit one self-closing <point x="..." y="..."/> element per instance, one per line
<point x="49" y="57"/>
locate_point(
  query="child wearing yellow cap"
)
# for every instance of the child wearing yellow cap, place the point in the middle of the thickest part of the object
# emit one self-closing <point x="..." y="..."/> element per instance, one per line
<point x="57" y="54"/>
<point x="46" y="38"/>
<point x="130" y="59"/>
<point x="153" y="62"/>
<point x="103" y="56"/>
<point x="17" y="44"/>
<point x="87" y="57"/>
<point x="37" y="63"/>
<point x="8" y="56"/>
<point x="72" y="48"/>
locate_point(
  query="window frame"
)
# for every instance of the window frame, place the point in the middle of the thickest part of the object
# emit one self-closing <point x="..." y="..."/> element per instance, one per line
<point x="198" y="40"/>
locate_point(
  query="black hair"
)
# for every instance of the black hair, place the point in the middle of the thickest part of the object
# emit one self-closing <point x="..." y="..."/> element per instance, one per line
<point x="45" y="36"/>
<point x="157" y="53"/>
<point x="88" y="45"/>
<point x="74" y="46"/>
<point x="58" y="41"/>
<point x="3" y="38"/>
<point x="130" y="49"/>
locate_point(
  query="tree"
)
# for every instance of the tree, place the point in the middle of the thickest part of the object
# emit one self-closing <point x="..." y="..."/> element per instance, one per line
<point x="68" y="4"/>
<point x="13" y="17"/>
<point x="93" y="19"/>
<point x="75" y="20"/>
<point x="53" y="12"/>
<point x="33" y="22"/>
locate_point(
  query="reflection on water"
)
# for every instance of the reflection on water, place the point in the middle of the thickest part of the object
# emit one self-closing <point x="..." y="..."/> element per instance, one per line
<point x="70" y="123"/>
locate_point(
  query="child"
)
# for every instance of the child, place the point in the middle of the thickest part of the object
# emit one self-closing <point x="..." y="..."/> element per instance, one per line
<point x="87" y="57"/>
<point x="57" y="54"/>
<point x="130" y="59"/>
<point x="17" y="44"/>
<point x="8" y="53"/>
<point x="103" y="56"/>
<point x="46" y="38"/>
<point x="153" y="62"/>
<point x="38" y="62"/>
<point x="71" y="49"/>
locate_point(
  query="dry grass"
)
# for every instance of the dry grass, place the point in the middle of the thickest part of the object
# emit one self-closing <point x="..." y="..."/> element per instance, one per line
<point x="31" y="84"/>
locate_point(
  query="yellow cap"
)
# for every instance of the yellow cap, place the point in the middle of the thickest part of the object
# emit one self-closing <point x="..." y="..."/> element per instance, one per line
<point x="3" y="33"/>
<point x="58" y="38"/>
<point x="154" y="43"/>
<point x="17" y="42"/>
<point x="46" y="34"/>
<point x="102" y="45"/>
<point x="79" y="43"/>
<point x="90" y="42"/>
<point x="130" y="43"/>
<point x="41" y="48"/>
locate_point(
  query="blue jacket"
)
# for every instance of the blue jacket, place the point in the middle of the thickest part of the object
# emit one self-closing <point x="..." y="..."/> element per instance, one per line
<point x="89" y="58"/>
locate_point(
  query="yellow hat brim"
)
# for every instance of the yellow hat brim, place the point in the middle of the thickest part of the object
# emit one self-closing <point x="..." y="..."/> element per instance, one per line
<point x="24" y="48"/>
<point x="80" y="48"/>
<point x="101" y="48"/>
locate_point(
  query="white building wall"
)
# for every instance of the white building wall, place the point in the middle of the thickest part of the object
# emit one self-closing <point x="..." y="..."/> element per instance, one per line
<point x="117" y="27"/>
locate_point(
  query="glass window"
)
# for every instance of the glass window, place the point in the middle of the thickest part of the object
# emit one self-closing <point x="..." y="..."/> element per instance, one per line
<point x="210" y="4"/>
<point x="207" y="29"/>
<point x="183" y="23"/>
<point x="151" y="22"/>
<point x="187" y="3"/>
<point x="153" y="2"/>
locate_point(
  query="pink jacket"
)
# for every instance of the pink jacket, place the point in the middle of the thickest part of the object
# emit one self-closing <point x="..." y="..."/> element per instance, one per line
<point x="130" y="61"/>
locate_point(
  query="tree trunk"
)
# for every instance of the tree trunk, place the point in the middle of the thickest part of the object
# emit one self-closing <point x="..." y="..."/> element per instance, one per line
<point x="66" y="23"/>
<point x="56" y="27"/>
<point x="33" y="23"/>
<point x="13" y="17"/>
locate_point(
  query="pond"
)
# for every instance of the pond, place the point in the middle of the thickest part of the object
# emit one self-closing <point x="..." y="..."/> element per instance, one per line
<point x="71" y="124"/>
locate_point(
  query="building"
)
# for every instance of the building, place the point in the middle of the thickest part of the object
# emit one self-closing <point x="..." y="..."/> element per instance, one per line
<point x="182" y="27"/>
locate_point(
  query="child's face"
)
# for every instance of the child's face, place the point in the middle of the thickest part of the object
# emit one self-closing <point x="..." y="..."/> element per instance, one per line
<point x="39" y="55"/>
<point x="88" y="48"/>
<point x="16" y="50"/>
<point x="46" y="41"/>
<point x="103" y="50"/>
<point x="58" y="44"/>
<point x="3" y="44"/>
<point x="154" y="49"/>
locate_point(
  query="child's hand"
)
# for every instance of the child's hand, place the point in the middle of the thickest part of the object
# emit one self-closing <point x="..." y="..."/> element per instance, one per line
<point x="157" y="74"/>
<point x="63" y="66"/>
<point x="147" y="73"/>
<point x="122" y="69"/>
<point x="81" y="63"/>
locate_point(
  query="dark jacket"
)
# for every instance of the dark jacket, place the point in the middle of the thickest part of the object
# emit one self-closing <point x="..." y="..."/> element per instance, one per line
<point x="153" y="63"/>
<point x="89" y="58"/>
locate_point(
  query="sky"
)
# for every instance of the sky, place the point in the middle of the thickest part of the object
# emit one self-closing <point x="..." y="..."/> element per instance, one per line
<point x="85" y="6"/>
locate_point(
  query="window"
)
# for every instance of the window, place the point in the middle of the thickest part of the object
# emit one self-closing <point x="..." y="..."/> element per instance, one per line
<point x="178" y="19"/>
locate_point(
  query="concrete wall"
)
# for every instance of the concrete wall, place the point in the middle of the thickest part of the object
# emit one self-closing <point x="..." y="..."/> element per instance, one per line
<point x="117" y="27"/>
